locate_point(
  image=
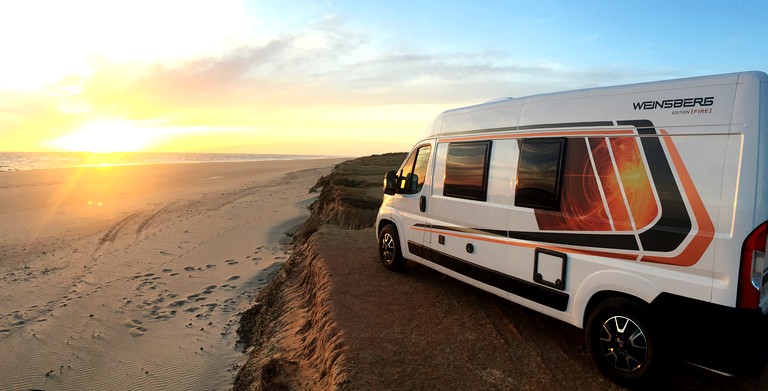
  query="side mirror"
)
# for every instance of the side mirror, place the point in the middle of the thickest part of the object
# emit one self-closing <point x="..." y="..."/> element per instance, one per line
<point x="390" y="183"/>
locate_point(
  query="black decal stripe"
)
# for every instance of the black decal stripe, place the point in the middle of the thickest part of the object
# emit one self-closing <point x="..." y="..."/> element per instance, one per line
<point x="525" y="289"/>
<point x="674" y="224"/>
<point x="417" y="250"/>
<point x="605" y="240"/>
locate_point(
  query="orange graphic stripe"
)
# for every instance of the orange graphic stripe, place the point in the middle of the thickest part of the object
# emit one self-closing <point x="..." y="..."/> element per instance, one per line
<point x="582" y="133"/>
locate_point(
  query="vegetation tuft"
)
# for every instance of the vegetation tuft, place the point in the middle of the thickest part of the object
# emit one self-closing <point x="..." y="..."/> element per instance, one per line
<point x="351" y="194"/>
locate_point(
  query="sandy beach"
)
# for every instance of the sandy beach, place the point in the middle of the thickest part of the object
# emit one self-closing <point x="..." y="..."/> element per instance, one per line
<point x="132" y="277"/>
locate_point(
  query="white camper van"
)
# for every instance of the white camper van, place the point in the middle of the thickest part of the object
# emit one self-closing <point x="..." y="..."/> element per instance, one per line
<point x="637" y="213"/>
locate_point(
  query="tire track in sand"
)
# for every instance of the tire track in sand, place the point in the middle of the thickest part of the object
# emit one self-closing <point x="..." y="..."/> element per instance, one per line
<point x="111" y="234"/>
<point x="149" y="219"/>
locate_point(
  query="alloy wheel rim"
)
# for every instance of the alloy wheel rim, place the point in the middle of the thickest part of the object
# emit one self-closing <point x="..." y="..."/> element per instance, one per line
<point x="623" y="343"/>
<point x="388" y="248"/>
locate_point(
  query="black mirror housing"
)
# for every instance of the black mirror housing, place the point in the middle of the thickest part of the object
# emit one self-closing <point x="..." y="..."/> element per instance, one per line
<point x="390" y="183"/>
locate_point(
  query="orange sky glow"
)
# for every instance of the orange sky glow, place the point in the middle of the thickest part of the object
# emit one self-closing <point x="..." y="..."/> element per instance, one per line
<point x="101" y="76"/>
<point x="338" y="77"/>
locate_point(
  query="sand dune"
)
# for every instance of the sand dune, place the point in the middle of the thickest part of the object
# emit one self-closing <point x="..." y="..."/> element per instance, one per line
<point x="132" y="277"/>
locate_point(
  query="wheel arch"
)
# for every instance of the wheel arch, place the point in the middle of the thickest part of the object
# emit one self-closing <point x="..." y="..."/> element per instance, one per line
<point x="609" y="284"/>
<point x="601" y="296"/>
<point x="383" y="222"/>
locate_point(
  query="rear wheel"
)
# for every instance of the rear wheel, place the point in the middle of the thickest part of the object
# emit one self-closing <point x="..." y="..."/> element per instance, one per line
<point x="623" y="341"/>
<point x="389" y="249"/>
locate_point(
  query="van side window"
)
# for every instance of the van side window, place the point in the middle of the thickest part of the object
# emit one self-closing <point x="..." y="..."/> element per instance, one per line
<point x="414" y="171"/>
<point x="466" y="170"/>
<point x="539" y="173"/>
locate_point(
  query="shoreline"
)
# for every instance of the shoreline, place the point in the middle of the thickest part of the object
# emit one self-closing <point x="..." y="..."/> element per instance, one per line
<point x="57" y="160"/>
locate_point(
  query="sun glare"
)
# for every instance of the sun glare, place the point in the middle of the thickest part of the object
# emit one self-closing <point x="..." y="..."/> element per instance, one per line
<point x="106" y="136"/>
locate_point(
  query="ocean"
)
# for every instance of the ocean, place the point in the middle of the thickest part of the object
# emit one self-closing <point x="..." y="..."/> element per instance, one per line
<point x="20" y="161"/>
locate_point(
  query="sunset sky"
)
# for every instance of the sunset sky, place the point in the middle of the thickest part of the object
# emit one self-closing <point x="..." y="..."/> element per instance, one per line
<point x="329" y="77"/>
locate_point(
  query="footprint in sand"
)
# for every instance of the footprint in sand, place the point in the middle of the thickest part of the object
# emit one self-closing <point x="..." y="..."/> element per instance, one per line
<point x="178" y="303"/>
<point x="210" y="266"/>
<point x="158" y="314"/>
<point x="132" y="323"/>
<point x="233" y="278"/>
<point x="189" y="268"/>
<point x="231" y="262"/>
<point x="191" y="309"/>
<point x="167" y="270"/>
<point x="135" y="327"/>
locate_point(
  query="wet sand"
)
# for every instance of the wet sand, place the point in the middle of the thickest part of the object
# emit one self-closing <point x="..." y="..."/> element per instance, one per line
<point x="132" y="277"/>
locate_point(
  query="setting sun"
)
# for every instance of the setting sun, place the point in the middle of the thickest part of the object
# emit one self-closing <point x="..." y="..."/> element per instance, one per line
<point x="106" y="136"/>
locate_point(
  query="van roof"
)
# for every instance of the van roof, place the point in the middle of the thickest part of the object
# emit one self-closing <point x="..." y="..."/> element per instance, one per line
<point x="508" y="112"/>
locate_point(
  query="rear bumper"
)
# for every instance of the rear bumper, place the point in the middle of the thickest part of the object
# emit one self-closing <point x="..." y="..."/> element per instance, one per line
<point x="726" y="339"/>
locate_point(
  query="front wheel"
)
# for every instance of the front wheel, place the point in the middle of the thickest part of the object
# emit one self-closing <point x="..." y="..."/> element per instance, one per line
<point x="389" y="249"/>
<point x="623" y="341"/>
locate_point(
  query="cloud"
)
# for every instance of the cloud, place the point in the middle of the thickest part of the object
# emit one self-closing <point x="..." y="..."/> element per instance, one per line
<point x="330" y="63"/>
<point x="291" y="80"/>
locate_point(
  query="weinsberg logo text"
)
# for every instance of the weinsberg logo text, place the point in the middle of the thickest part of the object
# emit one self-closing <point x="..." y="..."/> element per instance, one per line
<point x="674" y="103"/>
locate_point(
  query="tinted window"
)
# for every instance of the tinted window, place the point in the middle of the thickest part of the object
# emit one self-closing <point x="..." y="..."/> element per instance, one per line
<point x="411" y="178"/>
<point x="539" y="173"/>
<point x="420" y="168"/>
<point x="466" y="170"/>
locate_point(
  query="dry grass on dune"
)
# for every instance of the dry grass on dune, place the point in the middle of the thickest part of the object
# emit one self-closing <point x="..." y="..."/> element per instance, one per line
<point x="351" y="194"/>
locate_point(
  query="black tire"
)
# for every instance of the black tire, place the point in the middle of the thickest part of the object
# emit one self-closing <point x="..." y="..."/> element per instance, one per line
<point x="389" y="249"/>
<point x="623" y="341"/>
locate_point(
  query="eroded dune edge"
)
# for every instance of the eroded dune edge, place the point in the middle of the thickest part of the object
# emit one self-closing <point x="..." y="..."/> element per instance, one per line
<point x="293" y="338"/>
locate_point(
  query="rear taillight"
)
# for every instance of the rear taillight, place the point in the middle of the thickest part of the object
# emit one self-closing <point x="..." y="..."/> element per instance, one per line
<point x="753" y="264"/>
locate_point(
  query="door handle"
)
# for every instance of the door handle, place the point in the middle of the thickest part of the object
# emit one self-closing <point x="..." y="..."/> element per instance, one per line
<point x="423" y="203"/>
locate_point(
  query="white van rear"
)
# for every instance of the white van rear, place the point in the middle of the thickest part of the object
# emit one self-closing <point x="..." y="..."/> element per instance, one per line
<point x="635" y="212"/>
